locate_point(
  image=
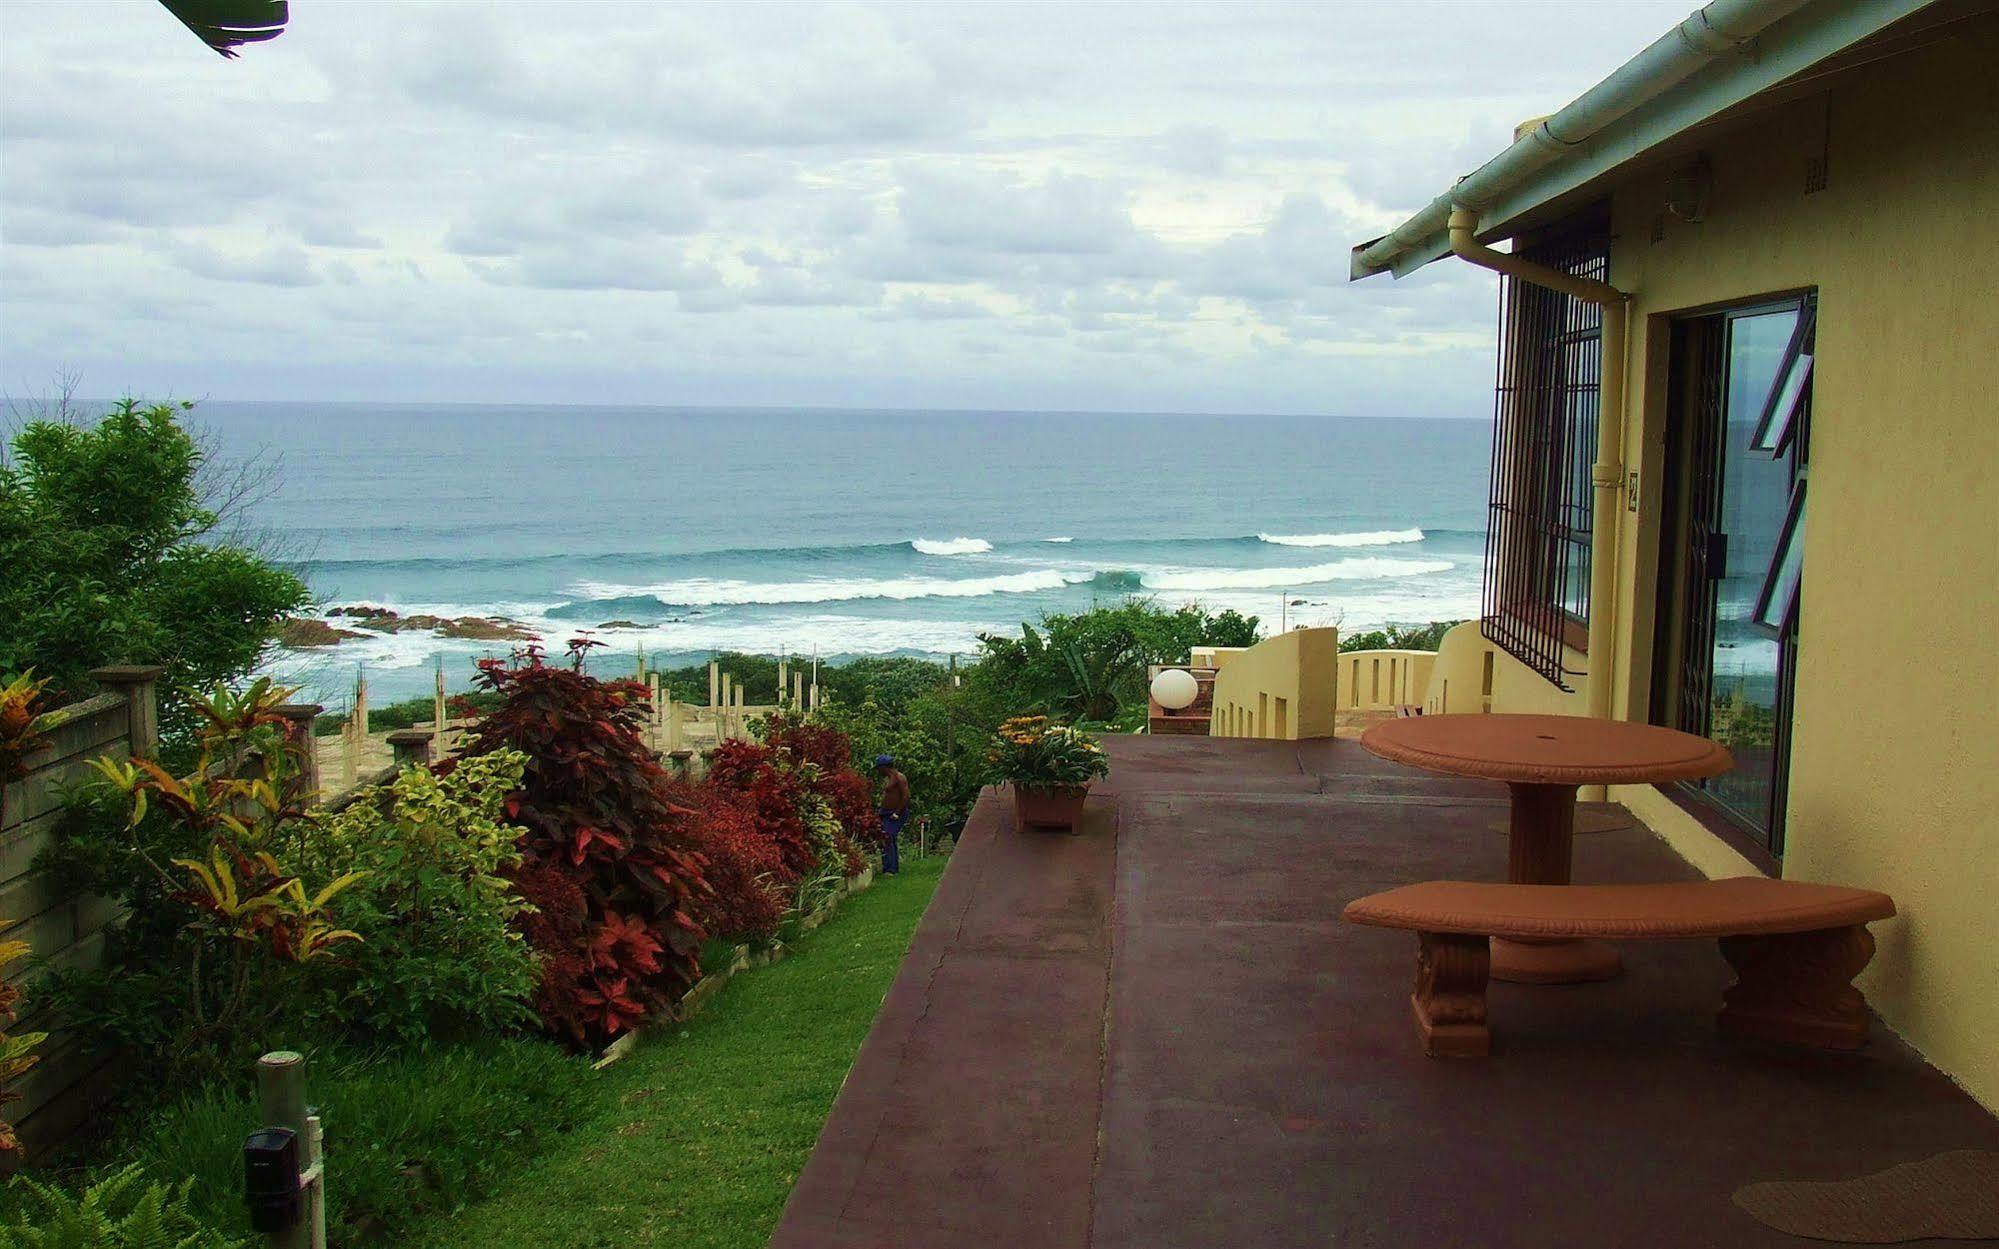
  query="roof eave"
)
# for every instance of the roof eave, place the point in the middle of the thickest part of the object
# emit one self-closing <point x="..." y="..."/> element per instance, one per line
<point x="1539" y="168"/>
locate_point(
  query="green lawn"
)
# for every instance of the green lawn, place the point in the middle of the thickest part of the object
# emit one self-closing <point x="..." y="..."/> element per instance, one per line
<point x="694" y="1140"/>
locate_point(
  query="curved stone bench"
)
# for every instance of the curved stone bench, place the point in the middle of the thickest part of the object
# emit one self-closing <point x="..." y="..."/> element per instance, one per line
<point x="1795" y="947"/>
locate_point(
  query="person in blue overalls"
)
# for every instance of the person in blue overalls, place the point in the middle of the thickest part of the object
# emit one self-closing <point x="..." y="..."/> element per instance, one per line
<point x="894" y="809"/>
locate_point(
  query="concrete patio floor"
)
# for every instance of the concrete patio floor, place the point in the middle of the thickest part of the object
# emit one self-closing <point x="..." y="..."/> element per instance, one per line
<point x="1159" y="1033"/>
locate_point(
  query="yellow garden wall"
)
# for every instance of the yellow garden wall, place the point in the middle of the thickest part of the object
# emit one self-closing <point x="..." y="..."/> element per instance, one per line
<point x="1895" y="762"/>
<point x="1283" y="687"/>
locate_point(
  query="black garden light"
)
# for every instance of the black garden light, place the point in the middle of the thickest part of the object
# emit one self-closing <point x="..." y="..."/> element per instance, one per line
<point x="271" y="1185"/>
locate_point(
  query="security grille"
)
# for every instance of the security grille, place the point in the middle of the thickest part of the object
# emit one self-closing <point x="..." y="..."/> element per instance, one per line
<point x="1537" y="541"/>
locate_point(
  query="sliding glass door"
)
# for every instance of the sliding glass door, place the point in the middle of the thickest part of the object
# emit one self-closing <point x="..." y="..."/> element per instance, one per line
<point x="1738" y="440"/>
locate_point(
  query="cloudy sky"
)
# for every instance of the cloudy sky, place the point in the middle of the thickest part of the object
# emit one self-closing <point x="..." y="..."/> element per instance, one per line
<point x="1131" y="206"/>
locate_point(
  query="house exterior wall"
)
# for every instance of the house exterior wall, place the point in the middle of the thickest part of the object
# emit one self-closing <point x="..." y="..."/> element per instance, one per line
<point x="1894" y="780"/>
<point x="1283" y="687"/>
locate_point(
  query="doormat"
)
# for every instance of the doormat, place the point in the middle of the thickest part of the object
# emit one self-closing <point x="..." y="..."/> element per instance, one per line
<point x="1952" y="1196"/>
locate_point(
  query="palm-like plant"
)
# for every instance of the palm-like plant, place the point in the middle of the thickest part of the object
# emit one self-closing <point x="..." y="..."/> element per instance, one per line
<point x="227" y="25"/>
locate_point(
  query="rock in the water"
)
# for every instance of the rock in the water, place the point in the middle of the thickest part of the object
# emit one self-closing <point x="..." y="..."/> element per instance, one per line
<point x="619" y="624"/>
<point x="365" y="613"/>
<point x="480" y="629"/>
<point x="304" y="633"/>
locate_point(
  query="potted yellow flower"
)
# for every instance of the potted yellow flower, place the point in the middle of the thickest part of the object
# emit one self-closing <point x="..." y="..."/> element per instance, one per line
<point x="1050" y="767"/>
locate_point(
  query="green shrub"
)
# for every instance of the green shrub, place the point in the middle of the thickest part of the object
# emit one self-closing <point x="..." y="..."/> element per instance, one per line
<point x="408" y="1132"/>
<point x="110" y="538"/>
<point x="1091" y="666"/>
<point x="124" y="1210"/>
<point x="438" y="952"/>
<point x="1399" y="637"/>
<point x="221" y="930"/>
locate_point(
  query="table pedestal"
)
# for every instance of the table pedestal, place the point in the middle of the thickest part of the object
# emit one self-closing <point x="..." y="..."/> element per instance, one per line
<point x="1541" y="838"/>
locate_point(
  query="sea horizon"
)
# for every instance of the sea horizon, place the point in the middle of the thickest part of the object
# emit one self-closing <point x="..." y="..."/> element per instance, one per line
<point x="688" y="530"/>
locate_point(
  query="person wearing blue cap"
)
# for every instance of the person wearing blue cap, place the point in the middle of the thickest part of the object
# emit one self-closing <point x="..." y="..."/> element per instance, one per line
<point x="894" y="808"/>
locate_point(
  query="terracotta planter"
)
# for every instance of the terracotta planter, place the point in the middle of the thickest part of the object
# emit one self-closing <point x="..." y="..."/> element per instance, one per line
<point x="1058" y="807"/>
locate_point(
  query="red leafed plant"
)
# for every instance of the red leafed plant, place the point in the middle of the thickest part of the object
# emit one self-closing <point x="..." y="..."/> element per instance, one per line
<point x="799" y="773"/>
<point x="745" y="870"/>
<point x="751" y="775"/>
<point x="609" y="860"/>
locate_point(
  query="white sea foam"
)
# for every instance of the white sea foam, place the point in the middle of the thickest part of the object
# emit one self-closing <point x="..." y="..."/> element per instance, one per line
<point x="702" y="592"/>
<point x="951" y="546"/>
<point x="1280" y="578"/>
<point x="1058" y="539"/>
<point x="1376" y="537"/>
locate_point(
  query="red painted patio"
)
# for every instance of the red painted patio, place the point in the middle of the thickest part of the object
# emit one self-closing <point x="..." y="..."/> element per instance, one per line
<point x="1158" y="1033"/>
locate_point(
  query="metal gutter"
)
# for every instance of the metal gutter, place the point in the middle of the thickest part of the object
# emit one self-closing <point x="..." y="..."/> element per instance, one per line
<point x="1723" y="54"/>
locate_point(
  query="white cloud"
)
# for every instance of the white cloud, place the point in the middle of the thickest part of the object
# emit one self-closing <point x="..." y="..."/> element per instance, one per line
<point x="1003" y="205"/>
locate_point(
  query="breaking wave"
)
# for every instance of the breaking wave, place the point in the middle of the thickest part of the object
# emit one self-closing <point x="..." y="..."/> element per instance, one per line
<point x="950" y="546"/>
<point x="1378" y="537"/>
<point x="1280" y="578"/>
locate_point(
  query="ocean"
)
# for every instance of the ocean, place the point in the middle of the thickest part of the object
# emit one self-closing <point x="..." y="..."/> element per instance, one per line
<point x="845" y="532"/>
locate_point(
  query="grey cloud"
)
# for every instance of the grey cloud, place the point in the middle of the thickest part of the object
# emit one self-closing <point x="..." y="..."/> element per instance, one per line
<point x="278" y="265"/>
<point x="586" y="264"/>
<point x="1064" y="215"/>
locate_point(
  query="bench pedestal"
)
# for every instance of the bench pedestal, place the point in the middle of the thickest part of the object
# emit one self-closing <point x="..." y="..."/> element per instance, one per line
<point x="1451" y="974"/>
<point x="1541" y="834"/>
<point x="1797" y="987"/>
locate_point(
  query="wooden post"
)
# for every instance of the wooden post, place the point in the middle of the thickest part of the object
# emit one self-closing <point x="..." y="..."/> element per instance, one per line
<point x="281" y="1101"/>
<point x="137" y="685"/>
<point x="302" y="747"/>
<point x="672" y="725"/>
<point x="437" y="708"/>
<point x="798" y="690"/>
<point x="653" y="709"/>
<point x="783" y="676"/>
<point x="713" y="679"/>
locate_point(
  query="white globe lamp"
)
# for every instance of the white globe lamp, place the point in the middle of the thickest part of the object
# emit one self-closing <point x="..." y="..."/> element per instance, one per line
<point x="1175" y="689"/>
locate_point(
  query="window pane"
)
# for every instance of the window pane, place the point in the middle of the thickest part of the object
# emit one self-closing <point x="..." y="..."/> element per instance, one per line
<point x="1755" y="498"/>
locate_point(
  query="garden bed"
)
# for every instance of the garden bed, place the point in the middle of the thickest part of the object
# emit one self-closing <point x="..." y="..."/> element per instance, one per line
<point x="695" y="1139"/>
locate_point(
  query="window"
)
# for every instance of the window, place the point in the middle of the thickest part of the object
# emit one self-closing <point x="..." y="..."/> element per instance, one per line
<point x="1538" y="520"/>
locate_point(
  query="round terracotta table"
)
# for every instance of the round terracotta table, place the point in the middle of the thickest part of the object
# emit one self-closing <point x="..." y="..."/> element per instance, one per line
<point x="1543" y="759"/>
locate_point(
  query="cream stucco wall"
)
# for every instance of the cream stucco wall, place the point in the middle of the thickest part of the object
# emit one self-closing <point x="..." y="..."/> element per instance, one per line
<point x="1895" y="762"/>
<point x="1283" y="687"/>
<point x="1383" y="680"/>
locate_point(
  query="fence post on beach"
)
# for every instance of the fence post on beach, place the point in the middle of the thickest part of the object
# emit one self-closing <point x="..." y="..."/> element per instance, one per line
<point x="783" y="677"/>
<point x="713" y="669"/>
<point x="798" y="691"/>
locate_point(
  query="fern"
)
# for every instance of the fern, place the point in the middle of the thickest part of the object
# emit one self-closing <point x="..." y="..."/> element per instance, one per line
<point x="124" y="1210"/>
